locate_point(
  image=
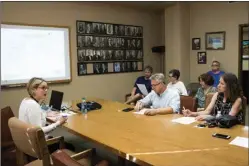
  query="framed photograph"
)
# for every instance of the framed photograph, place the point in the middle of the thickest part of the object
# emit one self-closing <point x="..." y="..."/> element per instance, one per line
<point x="89" y="28"/>
<point x="245" y="51"/>
<point x="196" y="43"/>
<point x="215" y="40"/>
<point x="81" y="27"/>
<point x="134" y="66"/>
<point x="202" y="58"/>
<point x="109" y="29"/>
<point x="100" y="68"/>
<point x="81" y="55"/>
<point x="116" y="67"/>
<point x="82" y="69"/>
<point x="89" y="55"/>
<point x="128" y="67"/>
<point x="104" y="48"/>
<point x="123" y="67"/>
<point x="139" y="54"/>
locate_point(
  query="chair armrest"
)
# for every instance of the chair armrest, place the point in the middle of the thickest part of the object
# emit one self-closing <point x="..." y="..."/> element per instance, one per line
<point x="8" y="144"/>
<point x="83" y="154"/>
<point x="59" y="139"/>
<point x="61" y="158"/>
<point x="127" y="95"/>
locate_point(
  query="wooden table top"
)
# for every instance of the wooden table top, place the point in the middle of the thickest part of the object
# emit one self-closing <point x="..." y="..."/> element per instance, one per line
<point x="155" y="140"/>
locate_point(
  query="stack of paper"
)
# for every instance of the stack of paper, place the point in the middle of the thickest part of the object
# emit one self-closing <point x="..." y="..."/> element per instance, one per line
<point x="240" y="141"/>
<point x="143" y="89"/>
<point x="184" y="120"/>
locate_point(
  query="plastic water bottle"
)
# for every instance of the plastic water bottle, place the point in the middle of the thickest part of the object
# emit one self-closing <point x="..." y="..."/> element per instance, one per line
<point x="83" y="106"/>
<point x="218" y="114"/>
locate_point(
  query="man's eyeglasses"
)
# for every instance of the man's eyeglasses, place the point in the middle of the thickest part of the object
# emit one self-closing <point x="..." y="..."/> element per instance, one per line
<point x="43" y="87"/>
<point x="154" y="85"/>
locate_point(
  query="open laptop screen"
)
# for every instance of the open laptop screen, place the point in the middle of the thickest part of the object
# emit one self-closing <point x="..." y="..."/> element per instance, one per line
<point x="56" y="100"/>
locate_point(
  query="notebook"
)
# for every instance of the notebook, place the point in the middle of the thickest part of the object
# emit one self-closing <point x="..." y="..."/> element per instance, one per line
<point x="56" y="100"/>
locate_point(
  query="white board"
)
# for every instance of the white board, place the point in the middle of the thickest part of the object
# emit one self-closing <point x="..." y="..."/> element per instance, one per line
<point x="34" y="51"/>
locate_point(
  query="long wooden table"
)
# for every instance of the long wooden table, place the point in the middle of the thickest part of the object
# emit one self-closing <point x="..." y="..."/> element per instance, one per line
<point x="155" y="140"/>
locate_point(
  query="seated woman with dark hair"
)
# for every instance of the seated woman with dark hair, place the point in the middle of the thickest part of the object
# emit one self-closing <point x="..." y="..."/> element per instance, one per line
<point x="206" y="82"/>
<point x="227" y="101"/>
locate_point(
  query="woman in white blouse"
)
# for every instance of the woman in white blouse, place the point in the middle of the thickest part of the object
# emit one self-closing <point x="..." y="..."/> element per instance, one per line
<point x="30" y="110"/>
<point x="175" y="83"/>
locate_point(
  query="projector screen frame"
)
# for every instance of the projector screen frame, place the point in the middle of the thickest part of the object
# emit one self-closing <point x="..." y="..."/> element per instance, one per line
<point x="70" y="53"/>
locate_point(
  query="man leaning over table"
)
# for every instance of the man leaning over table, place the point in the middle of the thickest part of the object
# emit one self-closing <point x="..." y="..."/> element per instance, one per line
<point x="160" y="100"/>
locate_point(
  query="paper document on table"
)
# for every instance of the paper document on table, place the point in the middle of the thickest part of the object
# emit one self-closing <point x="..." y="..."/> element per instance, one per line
<point x="143" y="89"/>
<point x="68" y="113"/>
<point x="240" y="141"/>
<point x="141" y="112"/>
<point x="184" y="120"/>
<point x="54" y="116"/>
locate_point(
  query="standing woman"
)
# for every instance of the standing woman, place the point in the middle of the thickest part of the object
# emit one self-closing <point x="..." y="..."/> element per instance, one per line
<point x="30" y="110"/>
<point x="206" y="82"/>
<point x="227" y="101"/>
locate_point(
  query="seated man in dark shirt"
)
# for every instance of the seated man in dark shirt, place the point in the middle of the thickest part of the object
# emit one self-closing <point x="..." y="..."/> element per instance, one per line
<point x="136" y="94"/>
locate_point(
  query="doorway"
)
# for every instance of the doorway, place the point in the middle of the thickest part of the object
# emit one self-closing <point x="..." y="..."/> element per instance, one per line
<point x="244" y="59"/>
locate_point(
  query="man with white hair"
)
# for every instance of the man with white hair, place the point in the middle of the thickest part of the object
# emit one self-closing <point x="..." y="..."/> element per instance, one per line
<point x="161" y="100"/>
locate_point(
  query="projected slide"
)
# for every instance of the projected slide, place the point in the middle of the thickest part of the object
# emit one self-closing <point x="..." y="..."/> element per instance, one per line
<point x="32" y="51"/>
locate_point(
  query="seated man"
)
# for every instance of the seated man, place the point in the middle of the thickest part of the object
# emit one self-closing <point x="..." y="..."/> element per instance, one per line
<point x="136" y="94"/>
<point x="161" y="100"/>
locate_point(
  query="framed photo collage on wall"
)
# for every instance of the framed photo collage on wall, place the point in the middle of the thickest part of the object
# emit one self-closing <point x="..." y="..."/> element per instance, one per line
<point x="104" y="48"/>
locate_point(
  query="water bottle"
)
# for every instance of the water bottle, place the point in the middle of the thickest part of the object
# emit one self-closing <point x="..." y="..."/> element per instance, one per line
<point x="83" y="106"/>
<point x="218" y="114"/>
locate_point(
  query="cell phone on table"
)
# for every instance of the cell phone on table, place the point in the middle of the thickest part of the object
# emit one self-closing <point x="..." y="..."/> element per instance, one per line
<point x="127" y="109"/>
<point x="201" y="125"/>
<point x="223" y="136"/>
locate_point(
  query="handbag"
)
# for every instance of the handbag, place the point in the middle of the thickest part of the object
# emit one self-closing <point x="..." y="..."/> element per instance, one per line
<point x="226" y="121"/>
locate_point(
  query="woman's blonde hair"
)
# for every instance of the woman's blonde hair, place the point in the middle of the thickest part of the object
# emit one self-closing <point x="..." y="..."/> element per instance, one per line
<point x="33" y="84"/>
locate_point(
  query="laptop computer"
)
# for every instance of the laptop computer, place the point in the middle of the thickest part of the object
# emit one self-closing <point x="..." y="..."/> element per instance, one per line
<point x="56" y="100"/>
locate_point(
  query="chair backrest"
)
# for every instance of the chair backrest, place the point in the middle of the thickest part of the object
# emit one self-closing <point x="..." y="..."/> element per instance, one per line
<point x="245" y="108"/>
<point x="192" y="88"/>
<point x="188" y="102"/>
<point x="60" y="158"/>
<point x="29" y="139"/>
<point x="208" y="99"/>
<point x="6" y="138"/>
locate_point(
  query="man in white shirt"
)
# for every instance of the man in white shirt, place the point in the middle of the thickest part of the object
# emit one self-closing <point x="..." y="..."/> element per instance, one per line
<point x="161" y="100"/>
<point x="174" y="82"/>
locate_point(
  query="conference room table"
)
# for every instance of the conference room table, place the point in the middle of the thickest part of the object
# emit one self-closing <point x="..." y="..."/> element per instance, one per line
<point x="156" y="140"/>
